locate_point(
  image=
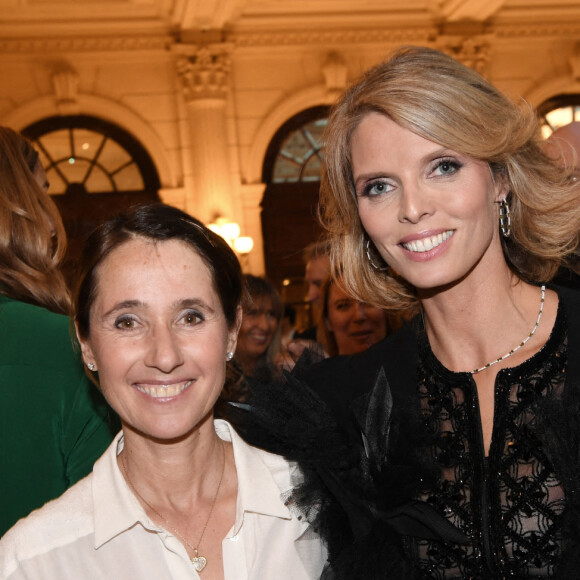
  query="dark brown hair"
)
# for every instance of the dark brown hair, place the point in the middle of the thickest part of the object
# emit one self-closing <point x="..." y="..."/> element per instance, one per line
<point x="159" y="223"/>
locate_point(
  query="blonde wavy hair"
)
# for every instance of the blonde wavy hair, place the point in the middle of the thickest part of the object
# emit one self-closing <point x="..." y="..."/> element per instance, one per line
<point x="438" y="98"/>
<point x="32" y="236"/>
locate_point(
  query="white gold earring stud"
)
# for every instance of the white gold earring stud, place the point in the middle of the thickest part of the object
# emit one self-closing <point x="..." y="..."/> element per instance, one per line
<point x="229" y="356"/>
<point x="91" y="366"/>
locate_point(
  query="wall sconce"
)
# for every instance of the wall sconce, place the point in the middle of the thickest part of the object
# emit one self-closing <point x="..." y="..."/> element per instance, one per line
<point x="230" y="232"/>
<point x="243" y="245"/>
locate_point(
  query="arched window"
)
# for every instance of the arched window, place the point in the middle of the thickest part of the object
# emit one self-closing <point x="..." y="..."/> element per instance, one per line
<point x="291" y="171"/>
<point x="95" y="169"/>
<point x="557" y="112"/>
<point x="300" y="155"/>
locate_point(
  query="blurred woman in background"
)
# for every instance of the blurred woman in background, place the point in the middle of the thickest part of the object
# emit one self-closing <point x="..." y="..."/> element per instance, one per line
<point x="348" y="325"/>
<point x="259" y="338"/>
<point x="53" y="426"/>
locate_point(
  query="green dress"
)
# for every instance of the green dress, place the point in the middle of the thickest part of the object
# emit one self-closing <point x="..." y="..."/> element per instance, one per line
<point x="54" y="424"/>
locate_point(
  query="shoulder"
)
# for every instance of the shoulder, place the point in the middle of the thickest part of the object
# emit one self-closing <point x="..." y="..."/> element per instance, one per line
<point x="35" y="329"/>
<point x="17" y="311"/>
<point x="341" y="379"/>
<point x="58" y="523"/>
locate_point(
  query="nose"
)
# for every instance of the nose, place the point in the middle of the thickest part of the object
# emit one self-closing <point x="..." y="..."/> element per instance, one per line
<point x="360" y="312"/>
<point x="312" y="294"/>
<point x="260" y="321"/>
<point x="416" y="203"/>
<point x="163" y="350"/>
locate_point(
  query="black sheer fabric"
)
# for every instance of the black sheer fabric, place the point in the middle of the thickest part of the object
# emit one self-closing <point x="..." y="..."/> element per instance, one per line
<point x="509" y="503"/>
<point x="395" y="477"/>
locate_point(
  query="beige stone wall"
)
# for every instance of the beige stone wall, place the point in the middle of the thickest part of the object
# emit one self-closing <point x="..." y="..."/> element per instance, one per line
<point x="128" y="62"/>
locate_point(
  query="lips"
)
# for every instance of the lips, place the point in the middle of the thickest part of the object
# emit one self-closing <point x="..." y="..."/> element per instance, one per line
<point x="428" y="243"/>
<point x="260" y="338"/>
<point x="163" y="391"/>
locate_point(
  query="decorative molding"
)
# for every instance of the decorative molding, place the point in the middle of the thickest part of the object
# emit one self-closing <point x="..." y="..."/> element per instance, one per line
<point x="575" y="63"/>
<point x="84" y="44"/>
<point x="364" y="36"/>
<point x="538" y="30"/>
<point x="205" y="75"/>
<point x="392" y="36"/>
<point x="470" y="10"/>
<point x="335" y="73"/>
<point x="65" y="83"/>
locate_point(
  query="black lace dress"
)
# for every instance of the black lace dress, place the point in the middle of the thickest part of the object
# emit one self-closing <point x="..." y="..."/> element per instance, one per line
<point x="510" y="503"/>
<point x="395" y="475"/>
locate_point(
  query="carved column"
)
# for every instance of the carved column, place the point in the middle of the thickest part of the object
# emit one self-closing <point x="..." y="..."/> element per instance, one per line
<point x="204" y="78"/>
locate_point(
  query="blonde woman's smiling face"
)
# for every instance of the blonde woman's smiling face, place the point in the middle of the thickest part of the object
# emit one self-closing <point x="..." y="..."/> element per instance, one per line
<point x="431" y="212"/>
<point x="159" y="337"/>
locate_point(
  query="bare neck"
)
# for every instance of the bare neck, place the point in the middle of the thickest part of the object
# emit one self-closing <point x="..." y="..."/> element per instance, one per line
<point x="176" y="468"/>
<point x="475" y="321"/>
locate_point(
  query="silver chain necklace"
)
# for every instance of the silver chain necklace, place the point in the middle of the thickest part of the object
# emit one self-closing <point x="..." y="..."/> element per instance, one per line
<point x="199" y="562"/>
<point x="532" y="332"/>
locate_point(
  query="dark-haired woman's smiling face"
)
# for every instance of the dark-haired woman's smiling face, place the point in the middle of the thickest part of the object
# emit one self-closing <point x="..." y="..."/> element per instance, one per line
<point x="158" y="337"/>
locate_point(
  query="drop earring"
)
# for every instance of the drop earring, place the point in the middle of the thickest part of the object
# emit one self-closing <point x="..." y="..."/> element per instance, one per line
<point x="505" y="222"/>
<point x="368" y="252"/>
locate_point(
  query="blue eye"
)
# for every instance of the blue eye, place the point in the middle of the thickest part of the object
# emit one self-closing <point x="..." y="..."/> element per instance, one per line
<point x="376" y="188"/>
<point x="447" y="167"/>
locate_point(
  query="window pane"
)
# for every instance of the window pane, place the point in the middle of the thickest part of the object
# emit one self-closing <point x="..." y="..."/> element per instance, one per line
<point x="57" y="185"/>
<point x="129" y="179"/>
<point x="86" y="143"/>
<point x="559" y="117"/>
<point x="74" y="170"/>
<point x="57" y="144"/>
<point x="113" y="156"/>
<point x="286" y="170"/>
<point x="99" y="182"/>
<point x="312" y="169"/>
<point x="298" y="154"/>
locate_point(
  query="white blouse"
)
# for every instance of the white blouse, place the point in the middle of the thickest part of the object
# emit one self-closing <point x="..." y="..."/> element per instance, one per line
<point x="98" y="529"/>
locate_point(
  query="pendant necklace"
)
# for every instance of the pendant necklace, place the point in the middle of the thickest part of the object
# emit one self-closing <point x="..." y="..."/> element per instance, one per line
<point x="199" y="562"/>
<point x="532" y="332"/>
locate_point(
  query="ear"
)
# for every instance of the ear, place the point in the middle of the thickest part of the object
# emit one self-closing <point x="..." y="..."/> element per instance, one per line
<point x="234" y="331"/>
<point x="501" y="186"/>
<point x="86" y="350"/>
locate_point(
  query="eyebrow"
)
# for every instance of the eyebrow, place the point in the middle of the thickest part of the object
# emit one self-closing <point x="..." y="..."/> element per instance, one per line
<point x="185" y="303"/>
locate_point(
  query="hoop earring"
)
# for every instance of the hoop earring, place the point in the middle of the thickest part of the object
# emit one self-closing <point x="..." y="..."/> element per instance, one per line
<point x="505" y="222"/>
<point x="368" y="252"/>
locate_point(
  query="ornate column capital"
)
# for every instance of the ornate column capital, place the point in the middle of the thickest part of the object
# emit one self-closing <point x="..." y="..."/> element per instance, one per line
<point x="205" y="73"/>
<point x="474" y="51"/>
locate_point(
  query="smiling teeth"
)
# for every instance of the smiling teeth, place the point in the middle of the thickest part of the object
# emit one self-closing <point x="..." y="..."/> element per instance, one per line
<point x="163" y="391"/>
<point x="427" y="244"/>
